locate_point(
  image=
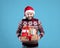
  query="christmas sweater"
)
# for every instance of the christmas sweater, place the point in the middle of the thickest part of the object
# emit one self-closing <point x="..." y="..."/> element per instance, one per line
<point x="34" y="23"/>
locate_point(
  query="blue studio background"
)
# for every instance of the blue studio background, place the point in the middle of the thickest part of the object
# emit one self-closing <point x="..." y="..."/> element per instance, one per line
<point x="11" y="13"/>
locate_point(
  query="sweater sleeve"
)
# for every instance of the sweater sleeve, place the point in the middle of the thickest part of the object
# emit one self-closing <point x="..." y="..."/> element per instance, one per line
<point x="19" y="29"/>
<point x="40" y="28"/>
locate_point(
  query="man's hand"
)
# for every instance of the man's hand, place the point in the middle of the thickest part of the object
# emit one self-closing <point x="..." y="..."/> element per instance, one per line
<point x="23" y="39"/>
<point x="38" y="37"/>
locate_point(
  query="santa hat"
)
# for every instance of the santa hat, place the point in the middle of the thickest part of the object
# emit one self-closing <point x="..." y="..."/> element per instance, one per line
<point x="29" y="9"/>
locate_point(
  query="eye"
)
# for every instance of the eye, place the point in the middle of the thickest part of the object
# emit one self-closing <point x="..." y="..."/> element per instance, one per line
<point x="27" y="14"/>
<point x="30" y="13"/>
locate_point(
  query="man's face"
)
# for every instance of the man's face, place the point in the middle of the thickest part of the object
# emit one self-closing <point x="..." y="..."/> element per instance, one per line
<point x="29" y="15"/>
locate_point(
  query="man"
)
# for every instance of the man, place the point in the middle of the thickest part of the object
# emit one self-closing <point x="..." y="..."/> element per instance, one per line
<point x="32" y="22"/>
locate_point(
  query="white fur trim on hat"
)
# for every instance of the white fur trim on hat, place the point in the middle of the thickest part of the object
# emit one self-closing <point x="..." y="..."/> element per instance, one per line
<point x="30" y="11"/>
<point x="24" y="17"/>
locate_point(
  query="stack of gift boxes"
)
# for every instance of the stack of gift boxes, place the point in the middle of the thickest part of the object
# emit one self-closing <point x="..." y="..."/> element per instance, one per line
<point x="28" y="33"/>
